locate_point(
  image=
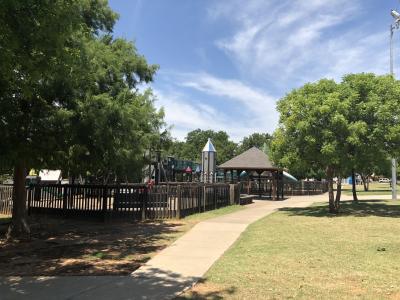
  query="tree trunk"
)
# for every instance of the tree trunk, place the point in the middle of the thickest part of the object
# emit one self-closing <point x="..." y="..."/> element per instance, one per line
<point x="338" y="191"/>
<point x="365" y="180"/>
<point x="19" y="227"/>
<point x="333" y="207"/>
<point x="353" y="181"/>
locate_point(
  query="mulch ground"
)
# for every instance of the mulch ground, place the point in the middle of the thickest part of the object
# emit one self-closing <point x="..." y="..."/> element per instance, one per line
<point x="70" y="247"/>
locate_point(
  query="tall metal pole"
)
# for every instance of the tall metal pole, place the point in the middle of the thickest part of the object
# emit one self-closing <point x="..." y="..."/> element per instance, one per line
<point x="391" y="50"/>
<point x="394" y="162"/>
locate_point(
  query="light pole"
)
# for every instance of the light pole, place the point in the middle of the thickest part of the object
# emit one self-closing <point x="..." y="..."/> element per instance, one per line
<point x="395" y="25"/>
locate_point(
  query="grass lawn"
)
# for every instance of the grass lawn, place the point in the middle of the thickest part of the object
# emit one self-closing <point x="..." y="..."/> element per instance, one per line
<point x="375" y="188"/>
<point x="71" y="247"/>
<point x="305" y="253"/>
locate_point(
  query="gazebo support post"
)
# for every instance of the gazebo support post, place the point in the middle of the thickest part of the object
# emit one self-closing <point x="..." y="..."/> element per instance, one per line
<point x="224" y="176"/>
<point x="259" y="183"/>
<point x="238" y="175"/>
<point x="271" y="178"/>
<point x="274" y="185"/>
<point x="279" y="185"/>
<point x="231" y="176"/>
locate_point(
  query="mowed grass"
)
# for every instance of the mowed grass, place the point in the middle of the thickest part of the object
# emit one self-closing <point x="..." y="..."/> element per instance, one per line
<point x="305" y="253"/>
<point x="375" y="188"/>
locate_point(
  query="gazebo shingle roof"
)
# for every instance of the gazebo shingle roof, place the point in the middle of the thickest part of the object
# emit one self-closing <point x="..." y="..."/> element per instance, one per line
<point x="252" y="159"/>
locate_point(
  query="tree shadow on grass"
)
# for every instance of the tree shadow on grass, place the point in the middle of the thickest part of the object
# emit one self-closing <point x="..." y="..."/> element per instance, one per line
<point x="71" y="247"/>
<point x="378" y="208"/>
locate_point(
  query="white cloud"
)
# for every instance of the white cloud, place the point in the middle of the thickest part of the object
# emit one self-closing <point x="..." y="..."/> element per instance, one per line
<point x="279" y="44"/>
<point x="232" y="89"/>
<point x="185" y="115"/>
<point x="257" y="108"/>
<point x="289" y="42"/>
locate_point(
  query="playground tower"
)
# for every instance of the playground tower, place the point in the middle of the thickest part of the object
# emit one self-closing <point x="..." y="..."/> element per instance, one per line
<point x="208" y="163"/>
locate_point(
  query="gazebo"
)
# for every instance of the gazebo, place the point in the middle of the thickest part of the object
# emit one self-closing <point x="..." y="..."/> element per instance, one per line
<point x="255" y="162"/>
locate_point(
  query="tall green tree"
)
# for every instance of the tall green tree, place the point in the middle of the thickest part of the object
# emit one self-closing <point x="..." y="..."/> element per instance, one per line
<point x="40" y="44"/>
<point x="68" y="93"/>
<point x="388" y="114"/>
<point x="194" y="143"/>
<point x="312" y="132"/>
<point x="368" y="141"/>
<point x="254" y="140"/>
<point x="340" y="128"/>
<point x="113" y="124"/>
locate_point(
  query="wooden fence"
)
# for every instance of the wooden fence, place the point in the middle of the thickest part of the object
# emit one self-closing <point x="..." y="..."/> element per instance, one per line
<point x="6" y="192"/>
<point x="305" y="188"/>
<point x="138" y="202"/>
<point x="189" y="198"/>
<point x="288" y="188"/>
<point x="256" y="188"/>
<point x="133" y="201"/>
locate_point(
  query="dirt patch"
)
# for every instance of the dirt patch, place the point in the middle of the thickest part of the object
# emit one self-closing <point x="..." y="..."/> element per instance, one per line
<point x="70" y="247"/>
<point x="207" y="291"/>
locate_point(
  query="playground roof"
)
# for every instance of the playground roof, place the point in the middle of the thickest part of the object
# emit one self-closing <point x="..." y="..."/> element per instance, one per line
<point x="252" y="159"/>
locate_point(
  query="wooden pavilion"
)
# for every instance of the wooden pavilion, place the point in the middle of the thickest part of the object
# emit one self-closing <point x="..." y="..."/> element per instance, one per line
<point x="255" y="162"/>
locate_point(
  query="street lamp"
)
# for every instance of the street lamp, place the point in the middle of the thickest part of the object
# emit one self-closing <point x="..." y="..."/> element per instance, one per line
<point x="395" y="25"/>
<point x="395" y="14"/>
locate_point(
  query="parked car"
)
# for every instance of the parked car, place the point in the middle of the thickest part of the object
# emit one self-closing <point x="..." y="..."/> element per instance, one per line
<point x="384" y="180"/>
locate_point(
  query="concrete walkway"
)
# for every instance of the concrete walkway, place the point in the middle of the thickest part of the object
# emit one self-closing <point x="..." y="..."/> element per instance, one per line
<point x="166" y="275"/>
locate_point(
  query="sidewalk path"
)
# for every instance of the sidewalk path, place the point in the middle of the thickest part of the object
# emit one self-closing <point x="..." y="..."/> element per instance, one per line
<point x="167" y="274"/>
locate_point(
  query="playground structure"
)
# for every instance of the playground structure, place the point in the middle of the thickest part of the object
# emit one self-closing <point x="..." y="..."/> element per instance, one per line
<point x="174" y="169"/>
<point x="208" y="163"/>
<point x="182" y="188"/>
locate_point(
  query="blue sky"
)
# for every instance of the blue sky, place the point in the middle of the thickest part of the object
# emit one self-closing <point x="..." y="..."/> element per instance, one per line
<point x="224" y="64"/>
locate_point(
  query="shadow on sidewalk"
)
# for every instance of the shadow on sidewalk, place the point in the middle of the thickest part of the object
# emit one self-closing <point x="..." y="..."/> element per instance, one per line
<point x="152" y="284"/>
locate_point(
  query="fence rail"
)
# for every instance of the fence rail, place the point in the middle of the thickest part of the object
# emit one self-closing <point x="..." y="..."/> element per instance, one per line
<point x="133" y="201"/>
<point x="305" y="188"/>
<point x="289" y="188"/>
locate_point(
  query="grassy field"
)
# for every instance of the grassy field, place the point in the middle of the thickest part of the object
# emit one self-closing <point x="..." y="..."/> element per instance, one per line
<point x="308" y="254"/>
<point x="72" y="247"/>
<point x="375" y="188"/>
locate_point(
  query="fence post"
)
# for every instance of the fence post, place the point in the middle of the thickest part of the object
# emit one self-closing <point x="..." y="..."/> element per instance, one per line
<point x="104" y="207"/>
<point x="178" y="202"/>
<point x="231" y="194"/>
<point x="147" y="194"/>
<point x="215" y="191"/>
<point x="204" y="197"/>
<point x="199" y="196"/>
<point x="65" y="199"/>
<point x="30" y="189"/>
